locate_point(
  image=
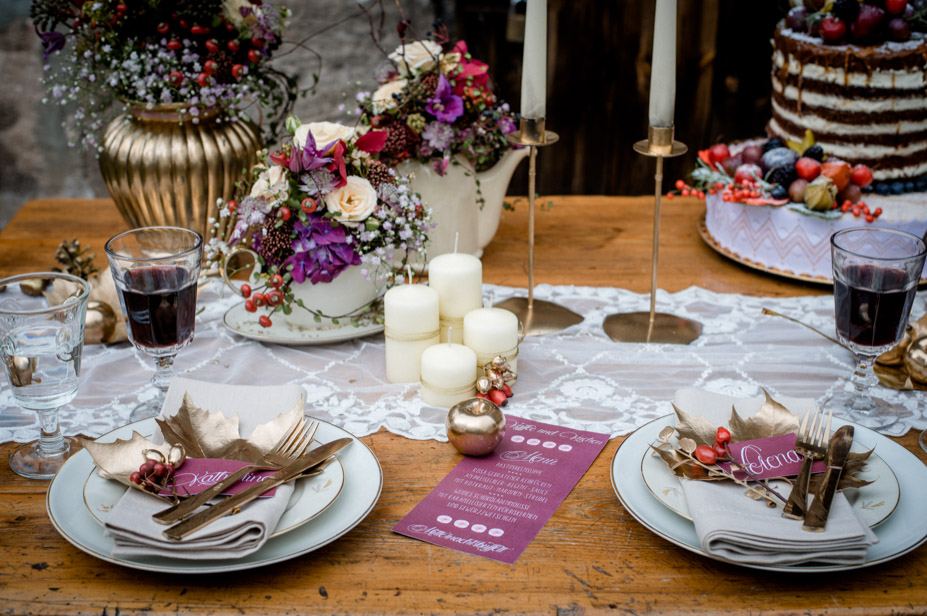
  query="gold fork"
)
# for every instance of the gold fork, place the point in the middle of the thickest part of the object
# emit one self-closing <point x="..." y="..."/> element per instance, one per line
<point x="811" y="443"/>
<point x="292" y="445"/>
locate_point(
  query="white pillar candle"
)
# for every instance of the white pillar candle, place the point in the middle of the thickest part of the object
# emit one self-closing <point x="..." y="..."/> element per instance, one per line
<point x="448" y="374"/>
<point x="458" y="279"/>
<point x="534" y="62"/>
<point x="490" y="332"/>
<point x="663" y="73"/>
<point x="410" y="315"/>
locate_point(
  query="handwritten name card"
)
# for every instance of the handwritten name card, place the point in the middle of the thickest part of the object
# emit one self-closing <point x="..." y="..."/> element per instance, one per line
<point x="494" y="506"/>
<point x="197" y="474"/>
<point x="765" y="458"/>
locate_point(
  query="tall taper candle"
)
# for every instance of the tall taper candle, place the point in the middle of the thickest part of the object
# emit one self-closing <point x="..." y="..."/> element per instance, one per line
<point x="663" y="73"/>
<point x="534" y="63"/>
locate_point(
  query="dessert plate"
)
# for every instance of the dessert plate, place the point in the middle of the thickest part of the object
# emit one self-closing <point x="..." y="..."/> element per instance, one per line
<point x="904" y="531"/>
<point x="311" y="496"/>
<point x="243" y="323"/>
<point x="873" y="503"/>
<point x="363" y="482"/>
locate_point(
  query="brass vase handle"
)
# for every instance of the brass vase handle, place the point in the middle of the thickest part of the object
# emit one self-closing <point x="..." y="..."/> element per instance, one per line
<point x="223" y="268"/>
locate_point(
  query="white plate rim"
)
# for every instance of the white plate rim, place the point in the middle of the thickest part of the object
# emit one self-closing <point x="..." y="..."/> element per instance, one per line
<point x="893" y="480"/>
<point x="637" y="500"/>
<point x="283" y="334"/>
<point x="299" y="492"/>
<point x="357" y="499"/>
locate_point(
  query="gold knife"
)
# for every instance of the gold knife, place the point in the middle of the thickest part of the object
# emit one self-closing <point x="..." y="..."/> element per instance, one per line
<point x="234" y="502"/>
<point x="837" y="452"/>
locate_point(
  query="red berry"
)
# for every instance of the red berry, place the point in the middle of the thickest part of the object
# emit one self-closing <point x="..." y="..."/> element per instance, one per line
<point x="899" y="30"/>
<point x="833" y="30"/>
<point x="203" y="80"/>
<point x="254" y="55"/>
<point x="482" y="395"/>
<point x="175" y="78"/>
<point x="308" y="205"/>
<point x="685" y="192"/>
<point x="720" y="450"/>
<point x="233" y="45"/>
<point x="808" y="168"/>
<point x="896" y="7"/>
<point x="718" y="153"/>
<point x="246" y="290"/>
<point x="276" y="281"/>
<point x="869" y="217"/>
<point x="211" y="66"/>
<point x="159" y="470"/>
<point x="861" y="175"/>
<point x="146" y="467"/>
<point x="746" y="172"/>
<point x="136" y="477"/>
<point x="705" y="454"/>
<point x="174" y="44"/>
<point x="669" y="196"/>
<point x="498" y="397"/>
<point x="259" y="299"/>
<point x="199" y="30"/>
<point x="285" y="213"/>
<point x="507" y="390"/>
<point x="163" y="28"/>
<point x="257" y="41"/>
<point x="238" y="71"/>
<point x="265" y="321"/>
<point x="212" y="45"/>
<point x="844" y="207"/>
<point x="680" y="184"/>
<point x="723" y="435"/>
<point x="877" y="212"/>
<point x="868" y="22"/>
<point x="250" y="306"/>
<point x="275" y="298"/>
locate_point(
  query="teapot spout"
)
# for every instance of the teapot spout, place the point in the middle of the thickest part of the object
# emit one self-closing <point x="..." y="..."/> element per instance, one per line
<point x="494" y="183"/>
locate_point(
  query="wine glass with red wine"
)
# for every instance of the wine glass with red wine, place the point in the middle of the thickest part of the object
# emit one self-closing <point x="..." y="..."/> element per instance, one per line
<point x="876" y="272"/>
<point x="155" y="270"/>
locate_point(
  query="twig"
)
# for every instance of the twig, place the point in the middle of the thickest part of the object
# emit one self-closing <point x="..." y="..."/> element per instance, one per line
<point x="815" y="330"/>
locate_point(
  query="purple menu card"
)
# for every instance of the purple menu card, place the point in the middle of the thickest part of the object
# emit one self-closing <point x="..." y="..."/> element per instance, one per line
<point x="495" y="505"/>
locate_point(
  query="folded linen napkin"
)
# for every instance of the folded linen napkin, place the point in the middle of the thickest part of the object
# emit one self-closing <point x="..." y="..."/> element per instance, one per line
<point x="731" y="526"/>
<point x="234" y="536"/>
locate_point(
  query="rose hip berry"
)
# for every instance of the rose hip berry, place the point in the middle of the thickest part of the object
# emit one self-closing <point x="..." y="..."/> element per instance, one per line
<point x="705" y="454"/>
<point x="265" y="321"/>
<point x="723" y="435"/>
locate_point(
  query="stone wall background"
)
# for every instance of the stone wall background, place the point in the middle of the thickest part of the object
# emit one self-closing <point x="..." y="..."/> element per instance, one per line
<point x="35" y="161"/>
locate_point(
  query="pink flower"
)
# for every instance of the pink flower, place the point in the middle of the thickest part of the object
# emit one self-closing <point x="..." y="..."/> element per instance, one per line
<point x="470" y="72"/>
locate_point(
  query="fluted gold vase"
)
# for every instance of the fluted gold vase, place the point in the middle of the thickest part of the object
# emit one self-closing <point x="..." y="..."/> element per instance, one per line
<point x="161" y="168"/>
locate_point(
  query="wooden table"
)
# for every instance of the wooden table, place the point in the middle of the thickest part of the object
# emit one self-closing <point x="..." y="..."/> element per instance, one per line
<point x="592" y="556"/>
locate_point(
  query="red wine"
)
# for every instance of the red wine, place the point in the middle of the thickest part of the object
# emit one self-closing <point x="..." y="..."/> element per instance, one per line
<point x="160" y="304"/>
<point x="872" y="304"/>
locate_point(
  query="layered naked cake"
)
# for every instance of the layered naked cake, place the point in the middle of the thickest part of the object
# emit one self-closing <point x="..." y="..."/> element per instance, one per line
<point x="865" y="105"/>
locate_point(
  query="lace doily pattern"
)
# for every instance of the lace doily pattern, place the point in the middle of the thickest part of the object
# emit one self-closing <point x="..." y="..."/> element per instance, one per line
<point x="577" y="378"/>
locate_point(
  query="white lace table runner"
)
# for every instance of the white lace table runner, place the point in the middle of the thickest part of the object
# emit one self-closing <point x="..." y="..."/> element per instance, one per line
<point x="577" y="378"/>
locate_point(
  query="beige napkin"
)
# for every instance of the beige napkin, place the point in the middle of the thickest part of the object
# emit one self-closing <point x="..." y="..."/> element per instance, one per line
<point x="731" y="526"/>
<point x="234" y="536"/>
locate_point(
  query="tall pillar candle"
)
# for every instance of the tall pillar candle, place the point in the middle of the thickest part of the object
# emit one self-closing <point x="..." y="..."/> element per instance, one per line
<point x="490" y="332"/>
<point x="458" y="279"/>
<point x="448" y="374"/>
<point x="410" y="314"/>
<point x="534" y="62"/>
<point x="663" y="72"/>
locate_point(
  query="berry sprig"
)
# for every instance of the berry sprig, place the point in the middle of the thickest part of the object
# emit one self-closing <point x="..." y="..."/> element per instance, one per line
<point x="492" y="385"/>
<point x="156" y="473"/>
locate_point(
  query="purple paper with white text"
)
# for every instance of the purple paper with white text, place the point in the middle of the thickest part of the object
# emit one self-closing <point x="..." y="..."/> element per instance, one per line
<point x="495" y="505"/>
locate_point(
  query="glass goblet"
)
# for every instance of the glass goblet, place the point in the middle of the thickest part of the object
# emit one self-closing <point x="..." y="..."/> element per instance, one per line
<point x="876" y="272"/>
<point x="155" y="270"/>
<point x="41" y="339"/>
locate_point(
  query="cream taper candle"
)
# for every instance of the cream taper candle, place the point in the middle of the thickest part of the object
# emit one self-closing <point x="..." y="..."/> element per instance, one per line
<point x="458" y="279"/>
<point x="490" y="332"/>
<point x="663" y="72"/>
<point x="534" y="61"/>
<point x="448" y="374"/>
<point x="410" y="315"/>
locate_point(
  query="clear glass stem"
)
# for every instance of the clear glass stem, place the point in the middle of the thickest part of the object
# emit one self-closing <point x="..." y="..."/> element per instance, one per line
<point x="863" y="380"/>
<point x="51" y="442"/>
<point x="164" y="373"/>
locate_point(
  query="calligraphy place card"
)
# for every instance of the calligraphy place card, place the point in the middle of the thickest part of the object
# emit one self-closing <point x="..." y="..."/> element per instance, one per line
<point x="766" y="458"/>
<point x="197" y="474"/>
<point x="495" y="505"/>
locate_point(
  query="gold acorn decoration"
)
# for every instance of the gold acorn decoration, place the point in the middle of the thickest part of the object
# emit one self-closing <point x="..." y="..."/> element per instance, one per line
<point x="75" y="260"/>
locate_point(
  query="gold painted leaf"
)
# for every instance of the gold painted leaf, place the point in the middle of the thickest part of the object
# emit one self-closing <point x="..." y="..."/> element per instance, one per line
<point x="666" y="433"/>
<point x="687" y="445"/>
<point x="772" y="419"/>
<point x="755" y="493"/>
<point x="119" y="459"/>
<point x="695" y="427"/>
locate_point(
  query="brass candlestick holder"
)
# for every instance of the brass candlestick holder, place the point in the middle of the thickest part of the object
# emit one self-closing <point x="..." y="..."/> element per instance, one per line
<point x="538" y="316"/>
<point x="654" y="326"/>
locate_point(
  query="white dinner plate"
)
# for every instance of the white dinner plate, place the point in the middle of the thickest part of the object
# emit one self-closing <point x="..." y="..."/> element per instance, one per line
<point x="245" y="324"/>
<point x="363" y="482"/>
<point x="873" y="503"/>
<point x="904" y="531"/>
<point x="311" y="496"/>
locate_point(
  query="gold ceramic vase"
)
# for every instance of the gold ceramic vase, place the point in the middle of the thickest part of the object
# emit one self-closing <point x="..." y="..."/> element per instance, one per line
<point x="161" y="168"/>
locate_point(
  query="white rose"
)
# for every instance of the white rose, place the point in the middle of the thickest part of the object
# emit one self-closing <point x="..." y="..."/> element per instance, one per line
<point x="323" y="133"/>
<point x="272" y="184"/>
<point x="232" y="10"/>
<point x="417" y="57"/>
<point x="383" y="99"/>
<point x="353" y="202"/>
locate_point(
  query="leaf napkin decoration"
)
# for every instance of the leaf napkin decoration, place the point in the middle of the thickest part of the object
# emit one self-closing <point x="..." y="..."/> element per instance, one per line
<point x="119" y="459"/>
<point x="772" y="419"/>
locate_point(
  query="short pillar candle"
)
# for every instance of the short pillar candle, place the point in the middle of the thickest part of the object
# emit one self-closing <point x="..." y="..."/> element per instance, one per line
<point x="458" y="279"/>
<point x="490" y="332"/>
<point x="410" y="315"/>
<point x="448" y="374"/>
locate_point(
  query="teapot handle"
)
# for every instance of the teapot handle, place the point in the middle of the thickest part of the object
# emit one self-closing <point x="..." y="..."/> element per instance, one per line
<point x="223" y="268"/>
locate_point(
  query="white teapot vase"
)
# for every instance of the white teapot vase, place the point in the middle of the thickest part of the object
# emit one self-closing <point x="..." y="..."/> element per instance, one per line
<point x="453" y="199"/>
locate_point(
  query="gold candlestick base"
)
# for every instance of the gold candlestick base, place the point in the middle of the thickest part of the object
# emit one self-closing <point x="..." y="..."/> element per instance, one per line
<point x="653" y="326"/>
<point x="537" y="316"/>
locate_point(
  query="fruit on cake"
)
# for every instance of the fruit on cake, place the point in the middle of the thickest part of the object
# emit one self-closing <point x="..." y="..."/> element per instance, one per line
<point x="847" y="145"/>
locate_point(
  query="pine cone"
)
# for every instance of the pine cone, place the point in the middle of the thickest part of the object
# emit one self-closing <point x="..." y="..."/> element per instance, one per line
<point x="74" y="260"/>
<point x="399" y="142"/>
<point x="276" y="243"/>
<point x="378" y="173"/>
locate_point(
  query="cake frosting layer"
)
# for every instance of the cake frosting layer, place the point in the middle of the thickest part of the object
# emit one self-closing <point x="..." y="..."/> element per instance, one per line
<point x="866" y="105"/>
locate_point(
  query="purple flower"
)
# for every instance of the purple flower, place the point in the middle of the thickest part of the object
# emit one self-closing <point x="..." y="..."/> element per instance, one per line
<point x="322" y="251"/>
<point x="445" y="105"/>
<point x="51" y="41"/>
<point x="438" y="135"/>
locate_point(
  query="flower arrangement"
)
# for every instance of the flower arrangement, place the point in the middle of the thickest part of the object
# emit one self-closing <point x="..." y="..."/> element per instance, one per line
<point x="205" y="56"/>
<point x="435" y="104"/>
<point x="318" y="205"/>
